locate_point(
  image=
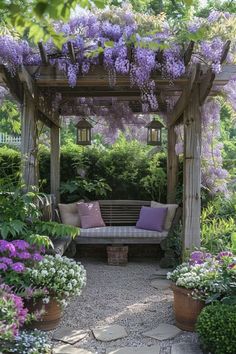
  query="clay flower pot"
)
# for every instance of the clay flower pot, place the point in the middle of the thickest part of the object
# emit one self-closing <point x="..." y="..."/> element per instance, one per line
<point x="51" y="317"/>
<point x="186" y="309"/>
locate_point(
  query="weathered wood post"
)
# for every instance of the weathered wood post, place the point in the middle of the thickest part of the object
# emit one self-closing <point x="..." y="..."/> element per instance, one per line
<point x="29" y="146"/>
<point x="55" y="162"/>
<point x="192" y="172"/>
<point x="172" y="166"/>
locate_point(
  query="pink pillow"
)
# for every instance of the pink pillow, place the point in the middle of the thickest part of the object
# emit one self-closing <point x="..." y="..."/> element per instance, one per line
<point x="90" y="215"/>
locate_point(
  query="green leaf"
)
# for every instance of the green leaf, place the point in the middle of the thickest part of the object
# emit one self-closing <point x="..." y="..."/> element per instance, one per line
<point x="40" y="8"/>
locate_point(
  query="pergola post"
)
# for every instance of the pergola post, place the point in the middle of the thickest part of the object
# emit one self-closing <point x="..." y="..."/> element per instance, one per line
<point x="192" y="172"/>
<point x="55" y="162"/>
<point x="172" y="166"/>
<point x="29" y="147"/>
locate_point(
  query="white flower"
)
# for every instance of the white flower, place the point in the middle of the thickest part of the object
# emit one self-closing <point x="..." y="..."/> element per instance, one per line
<point x="44" y="273"/>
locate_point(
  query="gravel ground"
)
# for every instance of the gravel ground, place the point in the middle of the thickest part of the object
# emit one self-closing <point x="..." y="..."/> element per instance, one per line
<point x="122" y="295"/>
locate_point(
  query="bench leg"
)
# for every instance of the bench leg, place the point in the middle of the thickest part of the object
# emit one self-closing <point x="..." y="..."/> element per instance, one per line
<point x="117" y="255"/>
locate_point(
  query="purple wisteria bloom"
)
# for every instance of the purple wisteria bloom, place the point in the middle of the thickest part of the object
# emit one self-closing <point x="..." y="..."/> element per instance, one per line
<point x="224" y="254"/>
<point x="18" y="267"/>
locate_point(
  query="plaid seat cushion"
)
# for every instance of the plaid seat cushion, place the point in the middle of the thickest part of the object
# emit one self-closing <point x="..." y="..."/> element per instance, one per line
<point x="120" y="231"/>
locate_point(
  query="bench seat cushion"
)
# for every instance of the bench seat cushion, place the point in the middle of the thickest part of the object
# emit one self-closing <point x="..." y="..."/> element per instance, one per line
<point x="125" y="234"/>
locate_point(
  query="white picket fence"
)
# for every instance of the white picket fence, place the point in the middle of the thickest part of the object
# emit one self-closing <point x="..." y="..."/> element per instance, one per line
<point x="10" y="139"/>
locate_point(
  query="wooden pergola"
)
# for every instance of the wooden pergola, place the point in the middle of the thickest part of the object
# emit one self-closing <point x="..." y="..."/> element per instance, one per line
<point x="34" y="87"/>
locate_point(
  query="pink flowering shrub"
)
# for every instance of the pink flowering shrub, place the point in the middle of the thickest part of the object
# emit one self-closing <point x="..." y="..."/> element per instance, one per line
<point x="15" y="257"/>
<point x="12" y="313"/>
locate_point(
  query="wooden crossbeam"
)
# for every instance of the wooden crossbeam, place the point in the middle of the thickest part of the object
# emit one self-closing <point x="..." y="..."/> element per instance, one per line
<point x="181" y="104"/>
<point x="209" y="77"/>
<point x="71" y="52"/>
<point x="43" y="53"/>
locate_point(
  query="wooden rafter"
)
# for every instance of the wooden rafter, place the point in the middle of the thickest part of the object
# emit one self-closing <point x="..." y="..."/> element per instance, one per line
<point x="71" y="52"/>
<point x="188" y="53"/>
<point x="182" y="102"/>
<point x="43" y="53"/>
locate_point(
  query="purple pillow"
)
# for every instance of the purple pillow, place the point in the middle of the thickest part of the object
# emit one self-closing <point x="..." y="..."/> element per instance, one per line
<point x="90" y="215"/>
<point x="152" y="218"/>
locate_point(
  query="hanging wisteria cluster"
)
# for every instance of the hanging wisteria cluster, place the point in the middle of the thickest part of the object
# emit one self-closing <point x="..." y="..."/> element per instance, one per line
<point x="129" y="43"/>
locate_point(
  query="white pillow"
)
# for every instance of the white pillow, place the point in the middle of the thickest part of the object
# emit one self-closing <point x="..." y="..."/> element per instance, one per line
<point x="170" y="213"/>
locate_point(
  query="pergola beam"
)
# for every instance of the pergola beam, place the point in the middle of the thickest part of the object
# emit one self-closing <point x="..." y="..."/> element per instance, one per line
<point x="181" y="104"/>
<point x="43" y="53"/>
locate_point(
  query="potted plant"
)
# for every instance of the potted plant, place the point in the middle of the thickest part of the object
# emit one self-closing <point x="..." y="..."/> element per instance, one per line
<point x="199" y="281"/>
<point x="62" y="278"/>
<point x="44" y="282"/>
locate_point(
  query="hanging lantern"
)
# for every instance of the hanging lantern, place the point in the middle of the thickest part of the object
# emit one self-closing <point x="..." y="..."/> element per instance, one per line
<point x="84" y="132"/>
<point x="154" y="132"/>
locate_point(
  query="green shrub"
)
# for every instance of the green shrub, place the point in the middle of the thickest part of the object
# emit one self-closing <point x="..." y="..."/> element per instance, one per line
<point x="218" y="222"/>
<point x="10" y="161"/>
<point x="216" y="326"/>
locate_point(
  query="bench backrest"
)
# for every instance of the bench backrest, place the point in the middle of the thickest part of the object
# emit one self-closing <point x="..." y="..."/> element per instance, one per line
<point x="121" y="212"/>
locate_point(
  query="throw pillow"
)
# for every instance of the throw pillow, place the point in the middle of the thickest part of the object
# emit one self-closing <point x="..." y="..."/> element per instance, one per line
<point x="152" y="218"/>
<point x="90" y="215"/>
<point x="170" y="214"/>
<point x="69" y="214"/>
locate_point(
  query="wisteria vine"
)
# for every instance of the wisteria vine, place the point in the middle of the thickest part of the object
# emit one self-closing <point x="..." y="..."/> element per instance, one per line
<point x="138" y="45"/>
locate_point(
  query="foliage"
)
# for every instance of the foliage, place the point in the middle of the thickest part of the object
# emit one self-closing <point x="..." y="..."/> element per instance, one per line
<point x="35" y="18"/>
<point x="9" y="117"/>
<point x="218" y="223"/>
<point x="12" y="314"/>
<point x="62" y="276"/>
<point x="10" y="161"/>
<point x="216" y="327"/>
<point x="155" y="181"/>
<point x="209" y="277"/>
<point x="20" y="215"/>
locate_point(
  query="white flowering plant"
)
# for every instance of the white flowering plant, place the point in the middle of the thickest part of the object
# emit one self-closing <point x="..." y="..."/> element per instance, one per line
<point x="61" y="276"/>
<point x="211" y="277"/>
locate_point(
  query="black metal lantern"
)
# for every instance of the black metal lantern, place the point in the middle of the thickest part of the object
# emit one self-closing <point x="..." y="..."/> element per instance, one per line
<point x="154" y="134"/>
<point x="84" y="132"/>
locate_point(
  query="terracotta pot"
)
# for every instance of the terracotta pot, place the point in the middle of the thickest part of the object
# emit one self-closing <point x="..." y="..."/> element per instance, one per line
<point x="50" y="319"/>
<point x="186" y="308"/>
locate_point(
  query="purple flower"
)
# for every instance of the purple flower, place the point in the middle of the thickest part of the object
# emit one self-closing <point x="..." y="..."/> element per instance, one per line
<point x="3" y="266"/>
<point x="21" y="244"/>
<point x="198" y="257"/>
<point x="23" y="255"/>
<point x="224" y="254"/>
<point x="6" y="260"/>
<point x="37" y="257"/>
<point x="6" y="246"/>
<point x="18" y="267"/>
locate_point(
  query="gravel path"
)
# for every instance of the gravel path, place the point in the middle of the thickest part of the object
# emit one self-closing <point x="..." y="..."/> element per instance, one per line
<point x="122" y="295"/>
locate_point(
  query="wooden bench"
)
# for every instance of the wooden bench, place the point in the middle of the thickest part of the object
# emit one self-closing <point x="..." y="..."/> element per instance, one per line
<point x="120" y="217"/>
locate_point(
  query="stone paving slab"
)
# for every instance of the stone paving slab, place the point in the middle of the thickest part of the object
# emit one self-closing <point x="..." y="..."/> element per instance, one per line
<point x="69" y="335"/>
<point x="109" y="333"/>
<point x="163" y="331"/>
<point x="155" y="349"/>
<point x="69" y="349"/>
<point x="185" y="348"/>
<point x="160" y="284"/>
